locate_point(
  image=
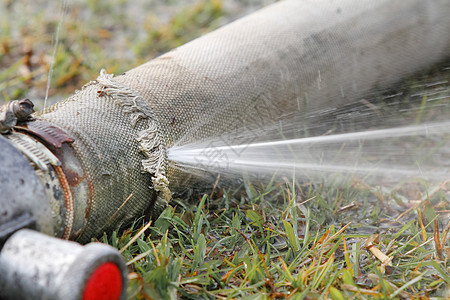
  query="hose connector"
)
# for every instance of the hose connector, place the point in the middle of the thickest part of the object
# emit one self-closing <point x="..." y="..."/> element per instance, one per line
<point x="36" y="266"/>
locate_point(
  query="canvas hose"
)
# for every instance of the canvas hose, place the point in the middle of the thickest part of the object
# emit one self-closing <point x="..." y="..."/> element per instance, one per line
<point x="111" y="137"/>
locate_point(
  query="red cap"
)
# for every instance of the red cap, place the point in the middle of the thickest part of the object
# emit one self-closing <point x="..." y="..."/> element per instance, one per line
<point x="105" y="283"/>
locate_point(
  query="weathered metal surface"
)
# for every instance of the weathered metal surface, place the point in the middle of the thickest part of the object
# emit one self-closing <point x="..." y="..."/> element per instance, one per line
<point x="79" y="185"/>
<point x="22" y="194"/>
<point x="55" y="197"/>
<point x="68" y="202"/>
<point x="22" y="109"/>
<point x="50" y="134"/>
<point x="13" y="112"/>
<point x="73" y="184"/>
<point x="36" y="266"/>
<point x="35" y="151"/>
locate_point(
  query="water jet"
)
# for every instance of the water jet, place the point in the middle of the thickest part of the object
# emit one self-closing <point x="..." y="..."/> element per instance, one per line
<point x="275" y="80"/>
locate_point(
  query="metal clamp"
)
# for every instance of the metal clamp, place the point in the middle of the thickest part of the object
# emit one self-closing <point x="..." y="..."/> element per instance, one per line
<point x="14" y="112"/>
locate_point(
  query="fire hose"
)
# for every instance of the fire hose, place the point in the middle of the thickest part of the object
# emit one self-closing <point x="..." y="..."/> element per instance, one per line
<point x="98" y="159"/>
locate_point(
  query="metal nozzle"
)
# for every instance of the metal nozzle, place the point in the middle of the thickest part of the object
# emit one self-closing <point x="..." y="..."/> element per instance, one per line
<point x="36" y="266"/>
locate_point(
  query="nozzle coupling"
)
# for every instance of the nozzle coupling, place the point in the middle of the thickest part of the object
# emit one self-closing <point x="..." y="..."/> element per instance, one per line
<point x="52" y="162"/>
<point x="36" y="266"/>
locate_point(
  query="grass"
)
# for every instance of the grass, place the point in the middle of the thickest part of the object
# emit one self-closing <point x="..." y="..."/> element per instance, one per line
<point x="290" y="241"/>
<point x="92" y="35"/>
<point x="279" y="239"/>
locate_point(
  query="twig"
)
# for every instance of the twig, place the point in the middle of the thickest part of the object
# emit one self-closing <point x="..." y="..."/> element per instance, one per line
<point x="136" y="237"/>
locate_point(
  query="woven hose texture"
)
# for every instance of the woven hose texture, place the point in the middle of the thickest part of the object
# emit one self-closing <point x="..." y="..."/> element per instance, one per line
<point x="121" y="149"/>
<point x="290" y="58"/>
<point x="293" y="56"/>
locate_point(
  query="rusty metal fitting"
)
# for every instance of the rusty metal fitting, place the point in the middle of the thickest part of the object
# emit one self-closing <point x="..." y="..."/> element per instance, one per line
<point x="73" y="184"/>
<point x="14" y="112"/>
<point x="54" y="162"/>
<point x="23" y="201"/>
<point x="48" y="169"/>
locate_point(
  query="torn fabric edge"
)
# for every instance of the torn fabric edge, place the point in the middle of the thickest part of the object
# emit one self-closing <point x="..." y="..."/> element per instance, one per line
<point x="151" y="141"/>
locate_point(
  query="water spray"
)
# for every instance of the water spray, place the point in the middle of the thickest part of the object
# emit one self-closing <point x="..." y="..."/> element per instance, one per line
<point x="99" y="159"/>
